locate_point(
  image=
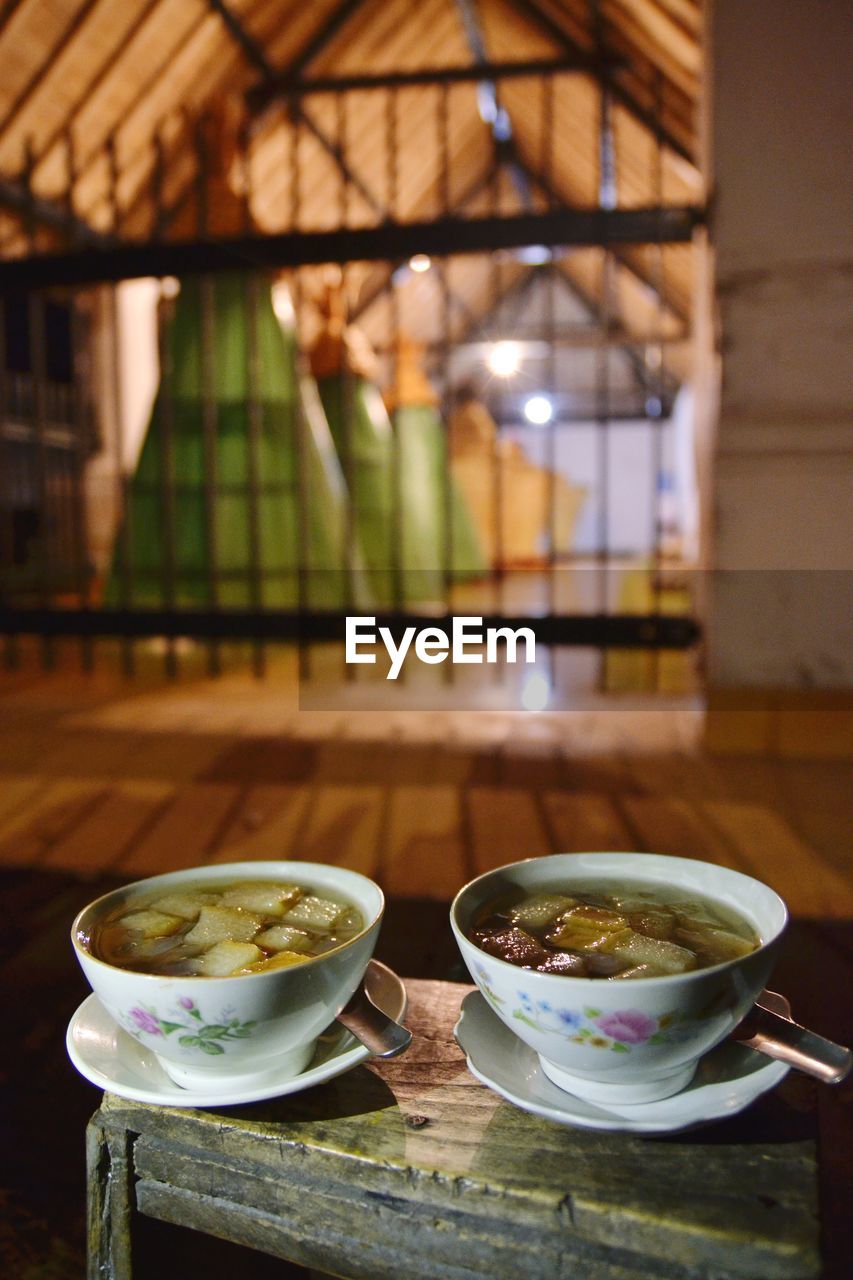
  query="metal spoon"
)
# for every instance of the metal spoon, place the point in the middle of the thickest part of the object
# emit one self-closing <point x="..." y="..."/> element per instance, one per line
<point x="769" y="1028"/>
<point x="384" y="1037"/>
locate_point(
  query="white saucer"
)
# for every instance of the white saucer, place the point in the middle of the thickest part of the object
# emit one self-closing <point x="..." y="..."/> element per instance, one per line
<point x="113" y="1060"/>
<point x="727" y="1080"/>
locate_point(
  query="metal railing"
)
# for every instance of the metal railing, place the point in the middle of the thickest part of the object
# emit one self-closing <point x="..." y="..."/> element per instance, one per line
<point x="54" y="437"/>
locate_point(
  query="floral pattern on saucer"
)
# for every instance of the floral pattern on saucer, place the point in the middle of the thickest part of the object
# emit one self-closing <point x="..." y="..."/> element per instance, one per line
<point x="198" y="1034"/>
<point x="730" y="1077"/>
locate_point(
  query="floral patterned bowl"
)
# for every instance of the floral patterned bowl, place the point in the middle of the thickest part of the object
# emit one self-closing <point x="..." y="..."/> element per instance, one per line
<point x="212" y="1032"/>
<point x="622" y="1041"/>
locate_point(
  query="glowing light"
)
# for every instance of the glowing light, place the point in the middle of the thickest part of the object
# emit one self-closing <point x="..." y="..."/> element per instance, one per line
<point x="282" y="303"/>
<point x="538" y="410"/>
<point x="535" y="692"/>
<point x="504" y="359"/>
<point x="420" y="262"/>
<point x="533" y="255"/>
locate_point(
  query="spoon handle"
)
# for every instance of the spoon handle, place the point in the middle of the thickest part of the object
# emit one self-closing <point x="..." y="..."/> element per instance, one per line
<point x="384" y="1037"/>
<point x="773" y="1032"/>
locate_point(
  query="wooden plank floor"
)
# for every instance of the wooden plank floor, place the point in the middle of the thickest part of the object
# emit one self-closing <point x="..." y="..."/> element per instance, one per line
<point x="104" y="776"/>
<point x="104" y="780"/>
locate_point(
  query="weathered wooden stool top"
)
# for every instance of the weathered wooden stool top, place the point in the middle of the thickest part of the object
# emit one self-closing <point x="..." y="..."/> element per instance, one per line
<point x="412" y="1168"/>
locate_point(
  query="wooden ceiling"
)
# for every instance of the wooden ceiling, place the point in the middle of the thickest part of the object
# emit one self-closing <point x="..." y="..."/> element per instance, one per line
<point x="99" y="101"/>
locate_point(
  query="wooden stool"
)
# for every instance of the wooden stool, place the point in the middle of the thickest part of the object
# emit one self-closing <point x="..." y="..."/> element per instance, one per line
<point x="412" y="1168"/>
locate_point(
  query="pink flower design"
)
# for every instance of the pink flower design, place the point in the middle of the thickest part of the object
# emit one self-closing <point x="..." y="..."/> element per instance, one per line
<point x="186" y="1003"/>
<point x="146" y="1021"/>
<point x="628" y="1026"/>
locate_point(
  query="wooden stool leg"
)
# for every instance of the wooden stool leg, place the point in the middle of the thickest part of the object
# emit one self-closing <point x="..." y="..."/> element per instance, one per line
<point x="108" y="1203"/>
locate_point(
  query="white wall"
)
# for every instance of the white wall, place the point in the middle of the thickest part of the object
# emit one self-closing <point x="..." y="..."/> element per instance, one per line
<point x="783" y="238"/>
<point x="139" y="361"/>
<point x="125" y="374"/>
<point x="632" y="471"/>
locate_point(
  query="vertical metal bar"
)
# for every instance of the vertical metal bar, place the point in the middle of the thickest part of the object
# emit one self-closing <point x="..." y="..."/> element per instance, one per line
<point x="124" y="506"/>
<point x="158" y="178"/>
<point x="546" y="138"/>
<point x="79" y="424"/>
<point x="603" y="450"/>
<point x="38" y="381"/>
<point x="447" y="387"/>
<point x="347" y="382"/>
<point x="209" y="415"/>
<point x="82" y="435"/>
<point x="343" y="169"/>
<point x="551" y="435"/>
<point x="397" y="551"/>
<point x="7" y="493"/>
<point x="443" y="269"/>
<point x="166" y="425"/>
<point x="292" y="160"/>
<point x="498" y="493"/>
<point x="654" y="405"/>
<point x="547" y="169"/>
<point x="43" y="489"/>
<point x="254" y="412"/>
<point x="167" y="482"/>
<point x="607" y="197"/>
<point x="302" y="494"/>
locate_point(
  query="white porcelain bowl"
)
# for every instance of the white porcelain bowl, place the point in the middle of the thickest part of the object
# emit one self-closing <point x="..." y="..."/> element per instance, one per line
<point x="622" y="1042"/>
<point x="214" y="1032"/>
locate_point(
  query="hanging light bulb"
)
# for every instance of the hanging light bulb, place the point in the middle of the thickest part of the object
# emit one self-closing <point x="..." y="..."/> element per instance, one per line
<point x="420" y="262"/>
<point x="504" y="359"/>
<point x="538" y="410"/>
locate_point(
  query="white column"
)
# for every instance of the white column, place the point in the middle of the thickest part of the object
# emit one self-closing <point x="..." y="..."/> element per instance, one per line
<point x="782" y="232"/>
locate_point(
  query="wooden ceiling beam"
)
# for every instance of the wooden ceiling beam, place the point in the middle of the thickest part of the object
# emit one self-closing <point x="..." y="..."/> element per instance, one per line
<point x="474" y="188"/>
<point x="644" y="377"/>
<point x="580" y="337"/>
<point x="535" y="14"/>
<point x="88" y="161"/>
<point x="577" y="228"/>
<point x="586" y="300"/>
<point x="622" y="256"/>
<point x="7" y="12"/>
<point x="131" y="212"/>
<point x="98" y="79"/>
<point x="508" y="155"/>
<point x="17" y="197"/>
<point x="500" y="124"/>
<point x="639" y="75"/>
<point x="517" y="293"/>
<point x="259" y="96"/>
<point x="252" y="51"/>
<point x="255" y="55"/>
<point x="674" y="50"/>
<point x="322" y="38"/>
<point x="35" y="81"/>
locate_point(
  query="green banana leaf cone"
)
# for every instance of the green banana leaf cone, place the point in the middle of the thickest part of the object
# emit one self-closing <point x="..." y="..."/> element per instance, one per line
<point x="363" y="438"/>
<point x="402" y="499"/>
<point x="189" y="532"/>
<point x="437" y="529"/>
